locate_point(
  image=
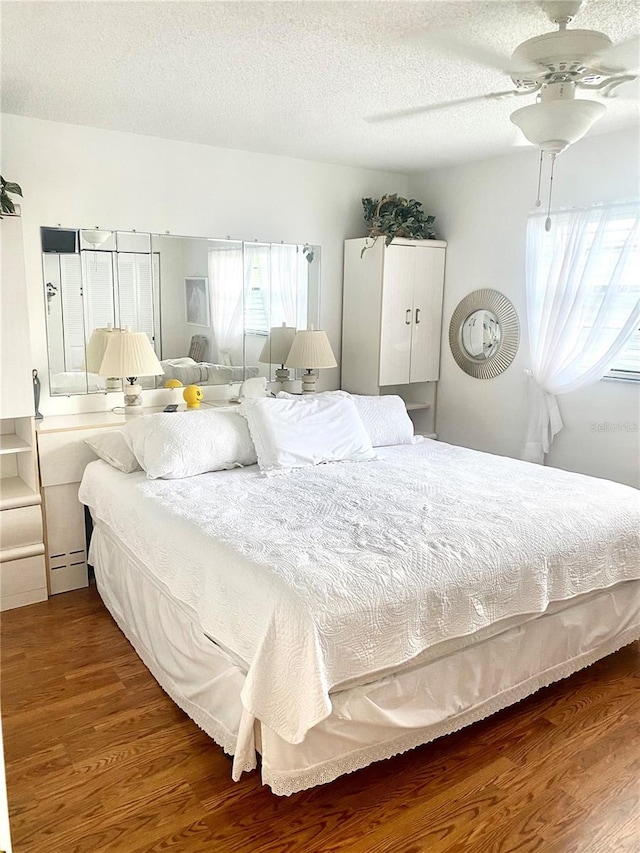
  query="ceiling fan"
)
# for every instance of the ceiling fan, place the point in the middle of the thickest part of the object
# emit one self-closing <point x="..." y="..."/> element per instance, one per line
<point x="554" y="65"/>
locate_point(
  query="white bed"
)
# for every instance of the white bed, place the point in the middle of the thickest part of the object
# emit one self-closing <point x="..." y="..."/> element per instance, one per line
<point x="341" y="614"/>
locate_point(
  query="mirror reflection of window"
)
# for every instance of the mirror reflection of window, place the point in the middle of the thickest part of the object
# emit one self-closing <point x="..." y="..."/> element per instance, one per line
<point x="226" y="277"/>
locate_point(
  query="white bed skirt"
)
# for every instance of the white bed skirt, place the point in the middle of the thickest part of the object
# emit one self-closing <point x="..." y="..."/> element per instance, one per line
<point x="369" y="722"/>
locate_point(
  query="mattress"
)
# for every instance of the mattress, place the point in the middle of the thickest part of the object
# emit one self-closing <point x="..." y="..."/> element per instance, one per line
<point x="369" y="722"/>
<point x="334" y="576"/>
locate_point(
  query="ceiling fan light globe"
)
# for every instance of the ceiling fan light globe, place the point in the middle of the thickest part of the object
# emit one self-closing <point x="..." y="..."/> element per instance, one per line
<point x="555" y="125"/>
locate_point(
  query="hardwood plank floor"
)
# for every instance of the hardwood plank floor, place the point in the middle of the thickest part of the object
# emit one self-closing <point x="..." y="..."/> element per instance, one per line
<point x="99" y="759"/>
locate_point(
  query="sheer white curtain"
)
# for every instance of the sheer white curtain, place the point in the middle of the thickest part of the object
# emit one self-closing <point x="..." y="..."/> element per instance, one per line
<point x="284" y="285"/>
<point x="583" y="305"/>
<point x="226" y="283"/>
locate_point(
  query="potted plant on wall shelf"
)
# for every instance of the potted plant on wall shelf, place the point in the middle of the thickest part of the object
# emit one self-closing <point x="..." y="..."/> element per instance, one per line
<point x="393" y="216"/>
<point x="6" y="204"/>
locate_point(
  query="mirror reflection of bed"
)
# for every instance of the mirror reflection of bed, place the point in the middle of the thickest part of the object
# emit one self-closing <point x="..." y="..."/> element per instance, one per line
<point x="208" y="306"/>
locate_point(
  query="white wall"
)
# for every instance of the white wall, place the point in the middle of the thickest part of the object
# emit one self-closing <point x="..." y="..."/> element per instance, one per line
<point x="82" y="177"/>
<point x="482" y="209"/>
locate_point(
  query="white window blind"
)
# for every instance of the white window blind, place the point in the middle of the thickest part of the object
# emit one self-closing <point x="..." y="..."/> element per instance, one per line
<point x="135" y="292"/>
<point x="73" y="322"/>
<point x="257" y="276"/>
<point x="97" y="275"/>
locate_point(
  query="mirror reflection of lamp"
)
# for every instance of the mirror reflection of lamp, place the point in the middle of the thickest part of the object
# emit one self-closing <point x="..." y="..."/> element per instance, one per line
<point x="312" y="351"/>
<point x="276" y="349"/>
<point x="95" y="351"/>
<point x="129" y="355"/>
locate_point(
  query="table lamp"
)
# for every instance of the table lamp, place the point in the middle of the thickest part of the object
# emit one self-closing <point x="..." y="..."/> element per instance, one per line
<point x="276" y="349"/>
<point x="129" y="355"/>
<point x="311" y="350"/>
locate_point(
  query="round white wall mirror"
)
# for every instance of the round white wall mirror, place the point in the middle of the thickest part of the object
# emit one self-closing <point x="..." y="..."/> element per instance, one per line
<point x="480" y="334"/>
<point x="484" y="333"/>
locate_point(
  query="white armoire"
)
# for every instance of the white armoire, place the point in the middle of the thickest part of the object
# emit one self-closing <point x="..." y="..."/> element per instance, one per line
<point x="392" y="321"/>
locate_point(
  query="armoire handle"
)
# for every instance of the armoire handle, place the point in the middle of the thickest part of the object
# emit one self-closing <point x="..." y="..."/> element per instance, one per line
<point x="417" y="316"/>
<point x="407" y="317"/>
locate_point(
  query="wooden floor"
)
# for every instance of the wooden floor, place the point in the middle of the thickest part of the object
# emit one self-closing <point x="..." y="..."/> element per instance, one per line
<point x="100" y="759"/>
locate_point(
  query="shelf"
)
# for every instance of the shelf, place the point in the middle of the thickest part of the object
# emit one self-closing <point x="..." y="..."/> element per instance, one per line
<point x="12" y="443"/>
<point x="412" y="407"/>
<point x="15" y="493"/>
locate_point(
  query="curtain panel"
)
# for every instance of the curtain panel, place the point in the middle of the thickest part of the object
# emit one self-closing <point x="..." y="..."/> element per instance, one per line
<point x="582" y="303"/>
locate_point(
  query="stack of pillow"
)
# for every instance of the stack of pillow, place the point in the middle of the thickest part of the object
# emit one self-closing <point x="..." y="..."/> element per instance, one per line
<point x="280" y="434"/>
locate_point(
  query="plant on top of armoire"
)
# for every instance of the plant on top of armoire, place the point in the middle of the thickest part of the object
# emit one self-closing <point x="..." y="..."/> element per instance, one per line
<point x="394" y="216"/>
<point x="6" y="204"/>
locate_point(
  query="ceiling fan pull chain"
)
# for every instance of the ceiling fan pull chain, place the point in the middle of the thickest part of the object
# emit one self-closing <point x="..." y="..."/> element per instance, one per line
<point x="547" y="224"/>
<point x="538" y="202"/>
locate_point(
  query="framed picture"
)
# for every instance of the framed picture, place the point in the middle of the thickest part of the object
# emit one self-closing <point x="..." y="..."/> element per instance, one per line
<point x="196" y="295"/>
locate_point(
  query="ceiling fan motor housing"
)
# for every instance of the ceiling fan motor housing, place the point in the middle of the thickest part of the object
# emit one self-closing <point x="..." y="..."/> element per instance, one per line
<point x="562" y="55"/>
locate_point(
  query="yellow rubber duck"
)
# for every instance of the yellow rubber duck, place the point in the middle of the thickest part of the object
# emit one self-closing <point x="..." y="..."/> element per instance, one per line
<point x="192" y="395"/>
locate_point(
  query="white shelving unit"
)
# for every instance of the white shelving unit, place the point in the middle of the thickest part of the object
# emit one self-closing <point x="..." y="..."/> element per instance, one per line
<point x="392" y="318"/>
<point x="23" y="575"/>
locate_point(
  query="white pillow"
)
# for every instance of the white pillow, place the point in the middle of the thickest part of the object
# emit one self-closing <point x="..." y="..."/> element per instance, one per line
<point x="113" y="448"/>
<point x="182" y="444"/>
<point x="384" y="417"/>
<point x="289" y="435"/>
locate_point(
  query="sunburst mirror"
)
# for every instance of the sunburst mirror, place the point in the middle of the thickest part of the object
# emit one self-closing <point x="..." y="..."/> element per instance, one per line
<point x="484" y="334"/>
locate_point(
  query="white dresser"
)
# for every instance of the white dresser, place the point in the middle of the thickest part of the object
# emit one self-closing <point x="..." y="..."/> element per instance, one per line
<point x="392" y="320"/>
<point x="63" y="456"/>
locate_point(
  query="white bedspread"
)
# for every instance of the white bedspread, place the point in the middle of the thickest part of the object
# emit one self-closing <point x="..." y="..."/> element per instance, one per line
<point x="332" y="574"/>
<point x="188" y="371"/>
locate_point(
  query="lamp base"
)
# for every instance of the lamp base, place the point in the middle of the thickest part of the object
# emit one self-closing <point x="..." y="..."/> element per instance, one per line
<point x="113" y="384"/>
<point x="132" y="400"/>
<point x="282" y="374"/>
<point x="309" y="382"/>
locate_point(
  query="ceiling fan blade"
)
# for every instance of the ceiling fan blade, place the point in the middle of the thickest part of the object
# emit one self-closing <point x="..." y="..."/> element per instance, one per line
<point x="624" y="56"/>
<point x="618" y="88"/>
<point x="412" y="111"/>
<point x="485" y="56"/>
<point x="626" y="87"/>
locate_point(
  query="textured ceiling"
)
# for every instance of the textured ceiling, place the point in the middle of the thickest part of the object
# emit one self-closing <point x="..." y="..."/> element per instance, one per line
<point x="292" y="78"/>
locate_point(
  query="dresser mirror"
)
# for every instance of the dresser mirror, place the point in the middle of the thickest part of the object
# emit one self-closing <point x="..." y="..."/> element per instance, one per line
<point x="214" y="310"/>
<point x="484" y="333"/>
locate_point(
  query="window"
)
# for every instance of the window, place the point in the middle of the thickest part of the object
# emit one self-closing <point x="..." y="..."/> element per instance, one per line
<point x="599" y="258"/>
<point x="627" y="365"/>
<point x="256" y="306"/>
<point x="256" y="320"/>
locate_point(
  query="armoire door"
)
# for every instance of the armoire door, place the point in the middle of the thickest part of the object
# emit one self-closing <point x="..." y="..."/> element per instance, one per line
<point x="397" y="314"/>
<point x="428" y="285"/>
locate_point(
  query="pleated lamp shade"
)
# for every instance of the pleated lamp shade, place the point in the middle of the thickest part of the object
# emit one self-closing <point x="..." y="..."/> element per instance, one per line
<point x="96" y="348"/>
<point x="129" y="354"/>
<point x="310" y="350"/>
<point x="278" y="344"/>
